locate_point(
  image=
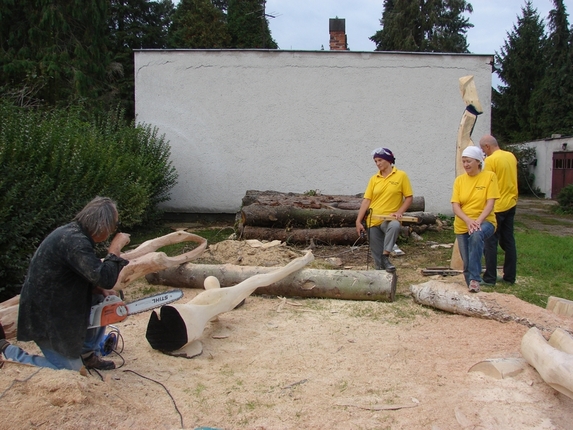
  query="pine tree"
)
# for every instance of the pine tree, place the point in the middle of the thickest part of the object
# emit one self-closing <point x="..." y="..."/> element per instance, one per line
<point x="198" y="24"/>
<point x="56" y="50"/>
<point x="555" y="95"/>
<point x="134" y="24"/>
<point x="423" y="26"/>
<point x="248" y="25"/>
<point x="521" y="66"/>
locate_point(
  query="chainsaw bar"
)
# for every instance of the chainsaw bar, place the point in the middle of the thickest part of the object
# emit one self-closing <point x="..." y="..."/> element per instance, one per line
<point x="152" y="302"/>
<point x="113" y="309"/>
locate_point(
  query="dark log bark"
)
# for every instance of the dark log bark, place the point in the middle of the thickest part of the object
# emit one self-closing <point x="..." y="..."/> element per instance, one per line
<point x="343" y="202"/>
<point x="374" y="285"/>
<point x="295" y="217"/>
<point x="331" y="236"/>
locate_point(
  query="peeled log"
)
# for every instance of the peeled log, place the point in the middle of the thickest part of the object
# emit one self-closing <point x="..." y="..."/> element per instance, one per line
<point x="553" y="365"/>
<point x="334" y="284"/>
<point x="456" y="299"/>
<point x="560" y="306"/>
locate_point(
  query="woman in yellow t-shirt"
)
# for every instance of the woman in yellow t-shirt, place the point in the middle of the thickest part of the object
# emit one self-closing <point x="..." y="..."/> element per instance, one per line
<point x="388" y="193"/>
<point x="473" y="198"/>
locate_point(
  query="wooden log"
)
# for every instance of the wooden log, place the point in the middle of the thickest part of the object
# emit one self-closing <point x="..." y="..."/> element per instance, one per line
<point x="562" y="341"/>
<point x="553" y="365"/>
<point x="318" y="201"/>
<point x="376" y="285"/>
<point x="456" y="299"/>
<point x="294" y="217"/>
<point x="560" y="306"/>
<point x="331" y="236"/>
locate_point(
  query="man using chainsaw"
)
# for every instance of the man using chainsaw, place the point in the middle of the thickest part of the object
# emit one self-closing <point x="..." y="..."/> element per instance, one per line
<point x="64" y="279"/>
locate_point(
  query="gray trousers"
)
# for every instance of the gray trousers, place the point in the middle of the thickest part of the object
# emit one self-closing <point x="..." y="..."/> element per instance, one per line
<point x="383" y="238"/>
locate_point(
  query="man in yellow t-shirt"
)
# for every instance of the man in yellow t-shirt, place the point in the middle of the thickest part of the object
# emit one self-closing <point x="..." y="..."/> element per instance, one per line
<point x="504" y="165"/>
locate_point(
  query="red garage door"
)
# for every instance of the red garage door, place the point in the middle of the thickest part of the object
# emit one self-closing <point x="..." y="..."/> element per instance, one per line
<point x="562" y="172"/>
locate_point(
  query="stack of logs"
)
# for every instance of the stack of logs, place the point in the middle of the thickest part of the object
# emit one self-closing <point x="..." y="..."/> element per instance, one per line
<point x="307" y="218"/>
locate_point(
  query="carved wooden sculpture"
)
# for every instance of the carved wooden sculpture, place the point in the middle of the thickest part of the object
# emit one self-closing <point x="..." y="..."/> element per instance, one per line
<point x="177" y="328"/>
<point x="551" y="359"/>
<point x="142" y="260"/>
<point x="469" y="117"/>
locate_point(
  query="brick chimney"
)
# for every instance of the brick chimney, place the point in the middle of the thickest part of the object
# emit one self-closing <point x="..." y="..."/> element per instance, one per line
<point x="337" y="28"/>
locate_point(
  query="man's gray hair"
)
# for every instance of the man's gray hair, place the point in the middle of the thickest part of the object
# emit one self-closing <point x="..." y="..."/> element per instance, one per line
<point x="98" y="216"/>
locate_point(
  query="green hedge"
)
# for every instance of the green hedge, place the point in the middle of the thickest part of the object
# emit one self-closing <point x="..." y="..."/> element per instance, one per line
<point x="53" y="163"/>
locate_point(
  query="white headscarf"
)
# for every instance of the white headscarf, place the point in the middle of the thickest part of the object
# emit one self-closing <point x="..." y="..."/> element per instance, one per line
<point x="474" y="152"/>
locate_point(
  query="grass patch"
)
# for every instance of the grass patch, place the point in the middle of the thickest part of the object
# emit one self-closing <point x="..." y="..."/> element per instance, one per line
<point x="544" y="268"/>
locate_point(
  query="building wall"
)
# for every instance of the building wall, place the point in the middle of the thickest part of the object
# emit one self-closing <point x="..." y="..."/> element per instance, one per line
<point x="295" y="121"/>
<point x="543" y="167"/>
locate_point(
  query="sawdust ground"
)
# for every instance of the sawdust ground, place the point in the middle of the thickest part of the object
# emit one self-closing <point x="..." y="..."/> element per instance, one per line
<point x="286" y="363"/>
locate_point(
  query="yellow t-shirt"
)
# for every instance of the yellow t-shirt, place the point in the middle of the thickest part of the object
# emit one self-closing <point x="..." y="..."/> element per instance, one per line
<point x="504" y="165"/>
<point x="386" y="194"/>
<point x="472" y="193"/>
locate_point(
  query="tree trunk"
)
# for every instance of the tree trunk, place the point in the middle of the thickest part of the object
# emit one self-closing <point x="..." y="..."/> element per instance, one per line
<point x="455" y="298"/>
<point x="335" y="284"/>
<point x="319" y="201"/>
<point x="553" y="365"/>
<point x="331" y="236"/>
<point x="292" y="216"/>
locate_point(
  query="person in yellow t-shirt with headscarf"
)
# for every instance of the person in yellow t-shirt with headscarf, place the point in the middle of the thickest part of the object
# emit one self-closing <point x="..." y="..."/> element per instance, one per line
<point x="473" y="198"/>
<point x="504" y="165"/>
<point x="388" y="193"/>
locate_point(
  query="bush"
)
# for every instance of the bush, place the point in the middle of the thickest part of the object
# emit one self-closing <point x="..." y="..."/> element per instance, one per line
<point x="565" y="199"/>
<point x="54" y="162"/>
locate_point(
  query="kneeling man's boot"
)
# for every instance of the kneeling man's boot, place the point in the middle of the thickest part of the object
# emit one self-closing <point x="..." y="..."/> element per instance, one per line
<point x="389" y="267"/>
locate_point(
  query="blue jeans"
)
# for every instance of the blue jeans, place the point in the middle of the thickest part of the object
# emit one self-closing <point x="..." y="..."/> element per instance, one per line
<point x="383" y="238"/>
<point x="503" y="236"/>
<point x="471" y="250"/>
<point x="53" y="359"/>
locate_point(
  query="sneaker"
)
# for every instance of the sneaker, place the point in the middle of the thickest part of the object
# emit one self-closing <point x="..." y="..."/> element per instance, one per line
<point x="474" y="286"/>
<point x="389" y="267"/>
<point x="487" y="284"/>
<point x="95" y="362"/>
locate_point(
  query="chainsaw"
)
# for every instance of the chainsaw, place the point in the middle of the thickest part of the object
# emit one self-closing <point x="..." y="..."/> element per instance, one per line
<point x="113" y="309"/>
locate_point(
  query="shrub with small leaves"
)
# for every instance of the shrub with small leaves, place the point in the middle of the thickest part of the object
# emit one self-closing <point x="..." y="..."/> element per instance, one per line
<point x="565" y="199"/>
<point x="52" y="163"/>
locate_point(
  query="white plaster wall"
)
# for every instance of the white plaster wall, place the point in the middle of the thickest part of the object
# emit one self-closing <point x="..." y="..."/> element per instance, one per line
<point x="294" y="121"/>
<point x="543" y="170"/>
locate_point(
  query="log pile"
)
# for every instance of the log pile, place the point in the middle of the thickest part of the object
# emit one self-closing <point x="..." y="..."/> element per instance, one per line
<point x="318" y="218"/>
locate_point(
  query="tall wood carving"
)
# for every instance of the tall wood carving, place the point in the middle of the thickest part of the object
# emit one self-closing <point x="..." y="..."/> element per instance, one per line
<point x="469" y="118"/>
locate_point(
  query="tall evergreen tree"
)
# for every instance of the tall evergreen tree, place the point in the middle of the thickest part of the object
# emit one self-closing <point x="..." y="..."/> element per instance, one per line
<point x="423" y="26"/>
<point x="521" y="66"/>
<point x="198" y="24"/>
<point x="248" y="25"/>
<point x="555" y="95"/>
<point x="55" y="52"/>
<point x="134" y="24"/>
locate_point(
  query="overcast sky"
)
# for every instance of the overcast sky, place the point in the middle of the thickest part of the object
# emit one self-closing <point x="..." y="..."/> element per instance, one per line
<point x="303" y="24"/>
